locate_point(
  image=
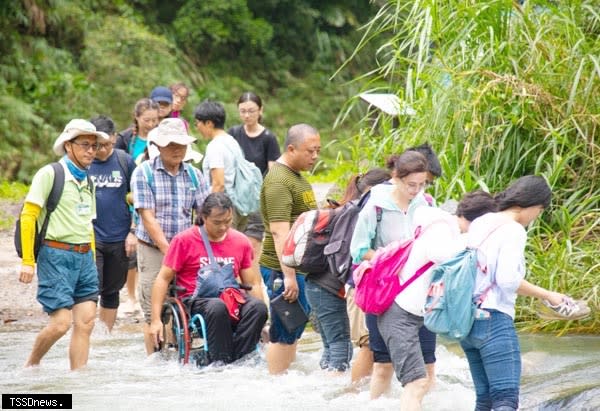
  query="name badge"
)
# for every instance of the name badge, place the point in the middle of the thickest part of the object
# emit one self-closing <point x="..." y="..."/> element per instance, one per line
<point x="83" y="209"/>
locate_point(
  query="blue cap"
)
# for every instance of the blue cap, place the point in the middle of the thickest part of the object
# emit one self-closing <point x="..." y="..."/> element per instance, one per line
<point x="161" y="93"/>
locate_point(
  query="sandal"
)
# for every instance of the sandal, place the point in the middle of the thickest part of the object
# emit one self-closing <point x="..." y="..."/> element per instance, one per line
<point x="568" y="309"/>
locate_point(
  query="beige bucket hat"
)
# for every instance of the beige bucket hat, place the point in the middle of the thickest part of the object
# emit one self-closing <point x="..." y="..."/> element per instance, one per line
<point x="74" y="128"/>
<point x="171" y="130"/>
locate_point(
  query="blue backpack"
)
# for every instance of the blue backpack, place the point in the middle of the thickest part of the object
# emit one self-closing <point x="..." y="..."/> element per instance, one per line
<point x="449" y="308"/>
<point x="245" y="193"/>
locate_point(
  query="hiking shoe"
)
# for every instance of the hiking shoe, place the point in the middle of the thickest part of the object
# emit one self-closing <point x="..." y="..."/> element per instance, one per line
<point x="568" y="309"/>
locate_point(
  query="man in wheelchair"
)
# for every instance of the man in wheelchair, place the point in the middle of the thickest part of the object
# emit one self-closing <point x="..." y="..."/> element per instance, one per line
<point x="234" y="318"/>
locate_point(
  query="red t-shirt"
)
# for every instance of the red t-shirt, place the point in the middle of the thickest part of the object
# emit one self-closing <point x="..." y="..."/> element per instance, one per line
<point x="187" y="254"/>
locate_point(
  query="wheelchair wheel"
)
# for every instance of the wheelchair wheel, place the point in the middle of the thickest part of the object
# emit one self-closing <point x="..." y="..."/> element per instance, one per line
<point x="198" y="341"/>
<point x="176" y="335"/>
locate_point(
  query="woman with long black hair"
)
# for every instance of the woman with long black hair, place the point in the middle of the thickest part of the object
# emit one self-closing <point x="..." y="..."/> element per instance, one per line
<point x="492" y="346"/>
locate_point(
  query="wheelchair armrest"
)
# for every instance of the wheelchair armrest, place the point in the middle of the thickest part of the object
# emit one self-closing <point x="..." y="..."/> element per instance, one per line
<point x="176" y="289"/>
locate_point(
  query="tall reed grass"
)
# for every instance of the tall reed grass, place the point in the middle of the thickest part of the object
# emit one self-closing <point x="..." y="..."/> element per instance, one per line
<point x="500" y="90"/>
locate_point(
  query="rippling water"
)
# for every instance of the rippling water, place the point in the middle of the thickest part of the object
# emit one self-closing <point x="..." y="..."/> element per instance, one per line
<point x="120" y="377"/>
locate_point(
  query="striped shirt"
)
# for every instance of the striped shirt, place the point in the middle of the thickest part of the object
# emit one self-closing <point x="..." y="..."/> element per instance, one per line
<point x="285" y="194"/>
<point x="171" y="197"/>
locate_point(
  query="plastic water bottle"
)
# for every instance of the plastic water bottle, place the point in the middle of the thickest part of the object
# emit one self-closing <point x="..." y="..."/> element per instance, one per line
<point x="277" y="283"/>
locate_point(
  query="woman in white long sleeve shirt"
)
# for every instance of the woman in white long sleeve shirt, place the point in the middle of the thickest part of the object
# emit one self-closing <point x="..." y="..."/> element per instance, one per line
<point x="399" y="326"/>
<point x="492" y="347"/>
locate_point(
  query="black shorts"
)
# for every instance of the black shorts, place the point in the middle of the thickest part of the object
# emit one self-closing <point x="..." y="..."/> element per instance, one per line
<point x="381" y="353"/>
<point x="132" y="260"/>
<point x="112" y="263"/>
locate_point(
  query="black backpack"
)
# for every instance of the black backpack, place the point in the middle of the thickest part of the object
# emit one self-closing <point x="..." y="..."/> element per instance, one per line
<point x="122" y="158"/>
<point x="337" y="250"/>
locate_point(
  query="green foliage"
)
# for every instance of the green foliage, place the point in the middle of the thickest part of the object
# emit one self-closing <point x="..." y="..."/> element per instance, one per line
<point x="128" y="60"/>
<point x="63" y="59"/>
<point x="14" y="191"/>
<point x="507" y="92"/>
<point x="26" y="139"/>
<point x="11" y="197"/>
<point x="219" y="30"/>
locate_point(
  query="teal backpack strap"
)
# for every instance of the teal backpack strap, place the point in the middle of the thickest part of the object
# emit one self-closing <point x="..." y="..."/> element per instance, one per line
<point x="195" y="183"/>
<point x="192" y="175"/>
<point x="147" y="170"/>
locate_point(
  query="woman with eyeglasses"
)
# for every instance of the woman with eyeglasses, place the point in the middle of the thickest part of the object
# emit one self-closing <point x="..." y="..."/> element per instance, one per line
<point x="260" y="146"/>
<point x="388" y="216"/>
<point x="181" y="92"/>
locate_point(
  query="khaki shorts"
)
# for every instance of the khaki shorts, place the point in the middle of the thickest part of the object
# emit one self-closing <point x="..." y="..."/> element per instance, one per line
<point x="359" y="334"/>
<point x="251" y="225"/>
<point x="149" y="262"/>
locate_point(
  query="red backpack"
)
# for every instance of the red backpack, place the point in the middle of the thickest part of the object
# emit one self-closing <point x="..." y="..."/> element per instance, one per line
<point x="308" y="236"/>
<point x="377" y="280"/>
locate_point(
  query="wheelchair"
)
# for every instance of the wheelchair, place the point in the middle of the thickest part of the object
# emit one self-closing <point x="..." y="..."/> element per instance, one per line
<point x="184" y="335"/>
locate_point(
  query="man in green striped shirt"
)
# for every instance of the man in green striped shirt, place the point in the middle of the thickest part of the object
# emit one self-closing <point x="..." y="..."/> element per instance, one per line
<point x="284" y="196"/>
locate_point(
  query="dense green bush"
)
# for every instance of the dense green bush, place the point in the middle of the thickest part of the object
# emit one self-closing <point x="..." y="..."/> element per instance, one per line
<point x="125" y="61"/>
<point x="66" y="59"/>
<point x="217" y="30"/>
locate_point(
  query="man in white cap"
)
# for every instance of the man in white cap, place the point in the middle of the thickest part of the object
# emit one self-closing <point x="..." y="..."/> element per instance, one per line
<point x="67" y="276"/>
<point x="165" y="190"/>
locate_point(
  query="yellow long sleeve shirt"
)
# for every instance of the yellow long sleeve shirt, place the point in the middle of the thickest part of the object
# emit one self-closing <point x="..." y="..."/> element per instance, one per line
<point x="29" y="216"/>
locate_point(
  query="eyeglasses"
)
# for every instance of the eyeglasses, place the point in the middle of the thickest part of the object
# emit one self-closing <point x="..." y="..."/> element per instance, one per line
<point x="86" y="146"/>
<point x="416" y="187"/>
<point x="250" y="111"/>
<point x="180" y="97"/>
<point x="105" y="146"/>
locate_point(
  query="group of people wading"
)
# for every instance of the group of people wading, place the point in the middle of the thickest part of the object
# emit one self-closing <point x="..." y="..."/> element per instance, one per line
<point x="135" y="214"/>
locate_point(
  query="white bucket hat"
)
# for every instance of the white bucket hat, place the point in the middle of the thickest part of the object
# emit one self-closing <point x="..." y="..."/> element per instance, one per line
<point x="190" y="154"/>
<point x="74" y="128"/>
<point x="171" y="130"/>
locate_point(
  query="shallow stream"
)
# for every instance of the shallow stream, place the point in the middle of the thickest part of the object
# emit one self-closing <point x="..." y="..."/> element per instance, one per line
<point x="559" y="373"/>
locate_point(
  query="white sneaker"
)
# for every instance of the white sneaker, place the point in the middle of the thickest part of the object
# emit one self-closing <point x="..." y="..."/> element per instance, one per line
<point x="568" y="309"/>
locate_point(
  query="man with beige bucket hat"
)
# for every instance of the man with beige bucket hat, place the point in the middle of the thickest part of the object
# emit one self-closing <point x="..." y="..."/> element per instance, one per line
<point x="66" y="270"/>
<point x="165" y="190"/>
